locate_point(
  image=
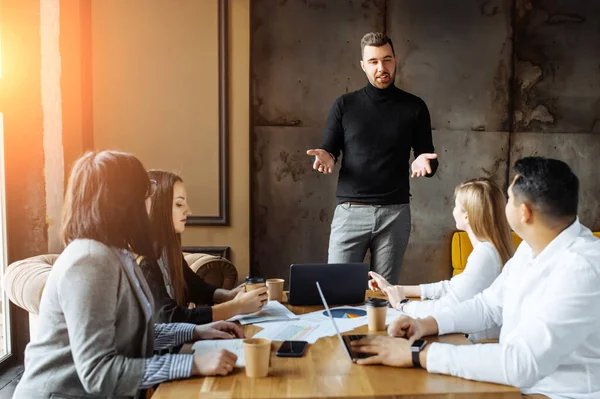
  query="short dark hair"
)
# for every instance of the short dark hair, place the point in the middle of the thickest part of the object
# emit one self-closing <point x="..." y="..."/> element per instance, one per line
<point x="376" y="39"/>
<point x="105" y="201"/>
<point x="549" y="185"/>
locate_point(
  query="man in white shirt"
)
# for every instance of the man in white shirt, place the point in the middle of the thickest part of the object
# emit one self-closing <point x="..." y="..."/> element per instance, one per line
<point x="546" y="301"/>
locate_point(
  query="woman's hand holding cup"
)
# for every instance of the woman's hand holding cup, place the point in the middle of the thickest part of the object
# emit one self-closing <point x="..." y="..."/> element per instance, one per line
<point x="252" y="301"/>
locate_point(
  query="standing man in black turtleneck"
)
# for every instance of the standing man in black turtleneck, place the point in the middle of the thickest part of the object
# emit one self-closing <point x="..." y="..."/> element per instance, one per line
<point x="375" y="129"/>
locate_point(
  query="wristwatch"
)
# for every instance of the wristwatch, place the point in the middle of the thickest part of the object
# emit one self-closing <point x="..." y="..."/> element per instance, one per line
<point x="402" y="302"/>
<point x="416" y="348"/>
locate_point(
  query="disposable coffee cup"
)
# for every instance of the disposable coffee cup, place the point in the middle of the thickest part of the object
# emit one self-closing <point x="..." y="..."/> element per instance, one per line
<point x="275" y="289"/>
<point x="254" y="283"/>
<point x="257" y="355"/>
<point x="376" y="313"/>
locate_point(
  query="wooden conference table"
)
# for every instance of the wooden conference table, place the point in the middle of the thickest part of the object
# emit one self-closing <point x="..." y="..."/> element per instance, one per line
<point x="326" y="371"/>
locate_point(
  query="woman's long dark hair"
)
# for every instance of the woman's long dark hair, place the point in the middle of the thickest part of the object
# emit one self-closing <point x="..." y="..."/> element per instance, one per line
<point x="166" y="240"/>
<point x="105" y="201"/>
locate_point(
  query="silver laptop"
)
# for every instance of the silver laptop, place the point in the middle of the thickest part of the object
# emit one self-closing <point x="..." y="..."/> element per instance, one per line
<point x="344" y="339"/>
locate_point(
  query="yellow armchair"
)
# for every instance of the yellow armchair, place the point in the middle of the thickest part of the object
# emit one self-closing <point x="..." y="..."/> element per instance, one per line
<point x="461" y="249"/>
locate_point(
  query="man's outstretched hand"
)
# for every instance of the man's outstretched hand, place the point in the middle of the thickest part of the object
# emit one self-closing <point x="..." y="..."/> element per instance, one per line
<point x="422" y="165"/>
<point x="323" y="161"/>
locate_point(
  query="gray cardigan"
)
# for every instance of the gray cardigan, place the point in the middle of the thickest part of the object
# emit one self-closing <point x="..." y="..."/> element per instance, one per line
<point x="93" y="332"/>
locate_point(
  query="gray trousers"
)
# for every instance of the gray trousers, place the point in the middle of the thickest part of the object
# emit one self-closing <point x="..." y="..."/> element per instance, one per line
<point x="384" y="229"/>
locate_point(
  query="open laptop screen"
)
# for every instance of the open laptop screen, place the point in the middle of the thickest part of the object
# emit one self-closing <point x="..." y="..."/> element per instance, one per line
<point x="337" y="331"/>
<point x="343" y="283"/>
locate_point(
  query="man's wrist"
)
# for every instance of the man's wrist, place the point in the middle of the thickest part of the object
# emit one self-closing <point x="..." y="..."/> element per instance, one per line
<point x="423" y="356"/>
<point x="430" y="326"/>
<point x="330" y="154"/>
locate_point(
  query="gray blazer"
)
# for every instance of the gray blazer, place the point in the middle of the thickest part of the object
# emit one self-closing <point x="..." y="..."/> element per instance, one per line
<point x="93" y="332"/>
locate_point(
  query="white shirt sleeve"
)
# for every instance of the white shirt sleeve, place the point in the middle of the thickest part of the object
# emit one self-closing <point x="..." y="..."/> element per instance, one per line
<point x="539" y="342"/>
<point x="479" y="313"/>
<point x="435" y="290"/>
<point x="483" y="266"/>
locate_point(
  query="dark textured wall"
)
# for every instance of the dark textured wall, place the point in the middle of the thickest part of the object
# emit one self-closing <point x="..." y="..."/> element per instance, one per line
<point x="502" y="79"/>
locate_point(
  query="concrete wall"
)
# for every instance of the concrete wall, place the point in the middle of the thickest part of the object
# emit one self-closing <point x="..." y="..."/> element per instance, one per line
<point x="503" y="79"/>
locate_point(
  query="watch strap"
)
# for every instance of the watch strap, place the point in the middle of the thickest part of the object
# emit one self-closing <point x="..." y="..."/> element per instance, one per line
<point x="415" y="359"/>
<point x="402" y="303"/>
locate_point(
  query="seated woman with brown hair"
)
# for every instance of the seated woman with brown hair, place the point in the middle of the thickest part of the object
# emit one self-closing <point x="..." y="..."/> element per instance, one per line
<point x="96" y="334"/>
<point x="172" y="282"/>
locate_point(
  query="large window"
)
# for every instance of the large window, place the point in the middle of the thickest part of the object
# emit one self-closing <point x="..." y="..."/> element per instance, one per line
<point x="5" y="345"/>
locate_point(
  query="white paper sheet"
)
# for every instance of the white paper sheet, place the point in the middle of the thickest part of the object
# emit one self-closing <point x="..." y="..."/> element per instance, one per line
<point x="293" y="330"/>
<point x="309" y="330"/>
<point x="232" y="345"/>
<point x="350" y="324"/>
<point x="393" y="314"/>
<point x="272" y="311"/>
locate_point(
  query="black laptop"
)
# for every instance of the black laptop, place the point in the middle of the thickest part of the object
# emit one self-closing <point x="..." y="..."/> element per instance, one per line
<point x="342" y="283"/>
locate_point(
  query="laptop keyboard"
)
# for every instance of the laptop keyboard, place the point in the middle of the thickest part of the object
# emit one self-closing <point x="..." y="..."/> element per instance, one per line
<point x="357" y="337"/>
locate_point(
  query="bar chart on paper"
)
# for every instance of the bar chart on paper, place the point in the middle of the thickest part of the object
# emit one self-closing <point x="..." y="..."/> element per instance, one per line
<point x="294" y="332"/>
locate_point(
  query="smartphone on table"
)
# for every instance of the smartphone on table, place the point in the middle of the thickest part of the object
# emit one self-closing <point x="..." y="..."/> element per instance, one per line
<point x="292" y="349"/>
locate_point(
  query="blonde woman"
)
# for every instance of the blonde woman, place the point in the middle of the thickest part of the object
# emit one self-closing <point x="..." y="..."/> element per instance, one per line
<point x="478" y="210"/>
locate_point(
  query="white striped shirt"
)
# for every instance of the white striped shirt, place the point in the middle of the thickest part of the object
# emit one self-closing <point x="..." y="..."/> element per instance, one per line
<point x="170" y="366"/>
<point x="161" y="368"/>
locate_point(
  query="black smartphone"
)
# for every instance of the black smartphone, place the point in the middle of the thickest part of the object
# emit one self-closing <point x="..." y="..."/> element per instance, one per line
<point x="292" y="349"/>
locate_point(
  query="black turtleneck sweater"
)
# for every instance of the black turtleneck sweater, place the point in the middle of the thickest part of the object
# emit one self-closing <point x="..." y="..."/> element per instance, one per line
<point x="375" y="130"/>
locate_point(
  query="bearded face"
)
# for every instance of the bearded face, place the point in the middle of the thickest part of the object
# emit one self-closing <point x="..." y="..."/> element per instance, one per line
<point x="379" y="64"/>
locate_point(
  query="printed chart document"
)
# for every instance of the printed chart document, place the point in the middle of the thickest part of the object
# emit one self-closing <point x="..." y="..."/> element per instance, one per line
<point x="272" y="311"/>
<point x="309" y="327"/>
<point x="344" y="324"/>
<point x="293" y="330"/>
<point x="348" y="324"/>
<point x="232" y="345"/>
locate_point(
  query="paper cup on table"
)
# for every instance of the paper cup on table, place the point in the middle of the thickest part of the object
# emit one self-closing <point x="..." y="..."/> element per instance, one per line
<point x="275" y="289"/>
<point x="376" y="313"/>
<point x="257" y="354"/>
<point x="254" y="283"/>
